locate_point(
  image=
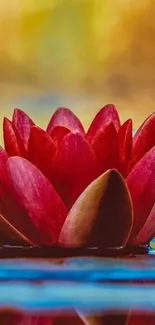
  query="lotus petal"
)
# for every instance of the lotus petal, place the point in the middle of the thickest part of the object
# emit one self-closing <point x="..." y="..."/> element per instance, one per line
<point x="101" y="216"/>
<point x="41" y="150"/>
<point x="143" y="140"/>
<point x="125" y="145"/>
<point x="23" y="123"/>
<point x="58" y="134"/>
<point x="36" y="195"/>
<point x="17" y="216"/>
<point x="66" y="118"/>
<point x="9" y="208"/>
<point x="141" y="183"/>
<point x="12" y="141"/>
<point x="74" y="167"/>
<point x="105" y="116"/>
<point x="147" y="232"/>
<point x="105" y="147"/>
<point x="10" y="235"/>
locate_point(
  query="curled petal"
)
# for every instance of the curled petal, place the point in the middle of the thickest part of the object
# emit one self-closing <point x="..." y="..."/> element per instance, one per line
<point x="66" y="118"/>
<point x="12" y="141"/>
<point x="23" y="123"/>
<point x="41" y="150"/>
<point x="105" y="116"/>
<point x="58" y="134"/>
<point x="141" y="183"/>
<point x="105" y="147"/>
<point x="37" y="197"/>
<point x="74" y="167"/>
<point x="143" y="140"/>
<point x="101" y="216"/>
<point x="125" y="145"/>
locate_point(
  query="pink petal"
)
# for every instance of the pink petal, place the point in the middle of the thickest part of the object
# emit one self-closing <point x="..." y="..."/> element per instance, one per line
<point x="41" y="150"/>
<point x="105" y="116"/>
<point x="125" y="145"/>
<point x="105" y="146"/>
<point x="12" y="141"/>
<point x="36" y="195"/>
<point x="64" y="117"/>
<point x="74" y="167"/>
<point x="23" y="124"/>
<point x="143" y="140"/>
<point x="141" y="183"/>
<point x="58" y="134"/>
<point x="101" y="216"/>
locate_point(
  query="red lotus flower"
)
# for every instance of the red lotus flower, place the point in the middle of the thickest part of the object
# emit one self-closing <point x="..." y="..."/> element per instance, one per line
<point x="64" y="185"/>
<point x="105" y="178"/>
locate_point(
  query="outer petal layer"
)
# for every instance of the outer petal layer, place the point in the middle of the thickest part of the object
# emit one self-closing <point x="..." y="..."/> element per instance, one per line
<point x="38" y="198"/>
<point x="66" y="118"/>
<point x="74" y="167"/>
<point x="101" y="216"/>
<point x="144" y="140"/>
<point x="141" y="183"/>
<point x="147" y="233"/>
<point x="105" y="116"/>
<point x="9" y="208"/>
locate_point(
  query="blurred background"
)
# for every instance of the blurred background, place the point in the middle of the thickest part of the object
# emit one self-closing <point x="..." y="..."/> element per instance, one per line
<point x="81" y="54"/>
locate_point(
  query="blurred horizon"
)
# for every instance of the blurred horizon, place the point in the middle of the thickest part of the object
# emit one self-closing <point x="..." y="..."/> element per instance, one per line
<point x="81" y="54"/>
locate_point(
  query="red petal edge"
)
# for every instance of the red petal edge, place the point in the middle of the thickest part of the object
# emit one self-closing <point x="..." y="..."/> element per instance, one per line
<point x="23" y="124"/>
<point x="66" y="118"/>
<point x="105" y="116"/>
<point x="41" y="150"/>
<point x="141" y="183"/>
<point x="74" y="167"/>
<point x="36" y="195"/>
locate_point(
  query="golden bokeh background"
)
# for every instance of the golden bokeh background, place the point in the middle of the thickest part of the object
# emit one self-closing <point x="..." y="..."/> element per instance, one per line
<point x="81" y="54"/>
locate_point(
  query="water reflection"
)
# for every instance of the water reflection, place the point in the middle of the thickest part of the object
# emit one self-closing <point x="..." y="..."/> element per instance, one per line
<point x="76" y="291"/>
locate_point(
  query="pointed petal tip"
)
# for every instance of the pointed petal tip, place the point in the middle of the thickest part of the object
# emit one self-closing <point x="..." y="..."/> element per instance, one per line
<point x="65" y="117"/>
<point x="110" y="214"/>
<point x="106" y="114"/>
